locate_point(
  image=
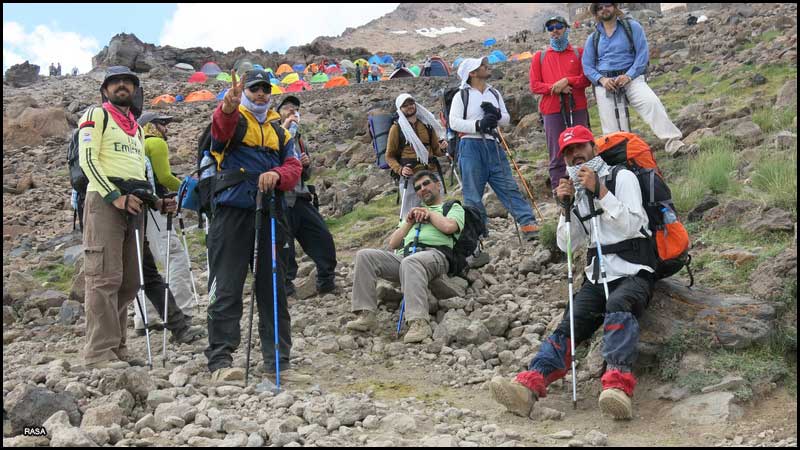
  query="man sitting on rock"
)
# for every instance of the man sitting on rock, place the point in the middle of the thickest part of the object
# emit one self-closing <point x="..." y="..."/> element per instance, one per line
<point x="629" y="276"/>
<point x="437" y="235"/>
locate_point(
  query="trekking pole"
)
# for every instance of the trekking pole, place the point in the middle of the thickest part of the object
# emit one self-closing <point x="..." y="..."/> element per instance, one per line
<point x="627" y="113"/>
<point x="567" y="123"/>
<point x="572" y="109"/>
<point x="182" y="227"/>
<point x="405" y="188"/>
<point x="568" y="217"/>
<point x="166" y="289"/>
<point x="272" y="211"/>
<point x="519" y="173"/>
<point x="403" y="301"/>
<point x="596" y="231"/>
<point x="259" y="208"/>
<point x="140" y="299"/>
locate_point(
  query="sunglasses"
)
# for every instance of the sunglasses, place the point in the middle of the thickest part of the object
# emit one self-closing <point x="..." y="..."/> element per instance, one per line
<point x="555" y="26"/>
<point x="417" y="187"/>
<point x="266" y="88"/>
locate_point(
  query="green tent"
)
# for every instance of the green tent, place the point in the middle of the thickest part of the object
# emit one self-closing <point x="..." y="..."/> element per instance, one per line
<point x="319" y="78"/>
<point x="224" y="77"/>
<point x="415" y="70"/>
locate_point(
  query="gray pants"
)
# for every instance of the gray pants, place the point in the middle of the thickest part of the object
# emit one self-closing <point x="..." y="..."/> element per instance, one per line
<point x="414" y="273"/>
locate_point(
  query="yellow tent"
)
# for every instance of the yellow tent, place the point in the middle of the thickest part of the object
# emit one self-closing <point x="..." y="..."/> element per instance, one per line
<point x="284" y="68"/>
<point x="524" y="55"/>
<point x="290" y="78"/>
<point x="276" y="89"/>
<point x="361" y="62"/>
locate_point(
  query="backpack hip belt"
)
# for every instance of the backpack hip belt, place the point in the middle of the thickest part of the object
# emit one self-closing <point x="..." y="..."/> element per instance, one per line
<point x="640" y="251"/>
<point x="614" y="73"/>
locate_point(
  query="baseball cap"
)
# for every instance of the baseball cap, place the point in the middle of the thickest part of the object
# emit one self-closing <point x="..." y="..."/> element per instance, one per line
<point x="289" y="99"/>
<point x="557" y="19"/>
<point x="120" y="71"/>
<point x="150" y="116"/>
<point x="575" y="135"/>
<point x="254" y="77"/>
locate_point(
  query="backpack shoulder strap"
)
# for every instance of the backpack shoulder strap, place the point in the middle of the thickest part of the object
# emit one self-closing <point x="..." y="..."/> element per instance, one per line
<point x="577" y="54"/>
<point x="496" y="95"/>
<point x="448" y="205"/>
<point x="611" y="180"/>
<point x="596" y="44"/>
<point x="626" y="26"/>
<point x="105" y="120"/>
<point x="464" y="100"/>
<point x="541" y="57"/>
<point x="281" y="139"/>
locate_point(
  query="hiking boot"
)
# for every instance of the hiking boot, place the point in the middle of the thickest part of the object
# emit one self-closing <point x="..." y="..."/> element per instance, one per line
<point x="418" y="331"/>
<point x="108" y="364"/>
<point x="186" y="335"/>
<point x="291" y="376"/>
<point x="327" y="289"/>
<point x="365" y="322"/>
<point x="616" y="403"/>
<point x="133" y="361"/>
<point x="231" y="376"/>
<point x="153" y="327"/>
<point x="479" y="260"/>
<point x="517" y="398"/>
<point x="530" y="232"/>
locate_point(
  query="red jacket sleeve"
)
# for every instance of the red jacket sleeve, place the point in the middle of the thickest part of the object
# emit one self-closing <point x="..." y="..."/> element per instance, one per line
<point x="580" y="81"/>
<point x="538" y="86"/>
<point x="223" y="125"/>
<point x="290" y="170"/>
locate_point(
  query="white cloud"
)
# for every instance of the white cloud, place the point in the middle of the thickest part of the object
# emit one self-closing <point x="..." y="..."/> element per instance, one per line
<point x="434" y="32"/>
<point x="474" y="21"/>
<point x="270" y="27"/>
<point x="43" y="46"/>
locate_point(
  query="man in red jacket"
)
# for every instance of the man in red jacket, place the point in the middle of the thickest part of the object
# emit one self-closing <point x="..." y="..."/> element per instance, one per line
<point x="557" y="75"/>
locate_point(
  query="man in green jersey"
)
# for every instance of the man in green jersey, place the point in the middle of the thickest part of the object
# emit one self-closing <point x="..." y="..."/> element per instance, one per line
<point x="432" y="232"/>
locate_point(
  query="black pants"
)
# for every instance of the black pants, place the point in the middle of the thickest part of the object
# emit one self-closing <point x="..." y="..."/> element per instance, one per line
<point x="309" y="228"/>
<point x="154" y="286"/>
<point x="230" y="255"/>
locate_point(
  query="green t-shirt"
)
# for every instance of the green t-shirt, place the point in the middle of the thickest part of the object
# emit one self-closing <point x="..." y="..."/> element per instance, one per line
<point x="429" y="235"/>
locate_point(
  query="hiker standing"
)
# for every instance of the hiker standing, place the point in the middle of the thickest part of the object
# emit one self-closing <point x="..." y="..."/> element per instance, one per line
<point x="112" y="148"/>
<point x="52" y="69"/>
<point x="556" y="74"/>
<point x="615" y="60"/>
<point x="420" y="243"/>
<point x="426" y="71"/>
<point x="413" y="145"/>
<point x="375" y="72"/>
<point x="58" y="69"/>
<point x="74" y="71"/>
<point x="358" y="73"/>
<point x="481" y="159"/>
<point x="627" y="279"/>
<point x="305" y="222"/>
<point x="156" y="149"/>
<point x="253" y="163"/>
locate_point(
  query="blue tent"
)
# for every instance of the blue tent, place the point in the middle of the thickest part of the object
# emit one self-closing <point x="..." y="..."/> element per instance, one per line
<point x="496" y="57"/>
<point x="458" y="61"/>
<point x="489" y="42"/>
<point x="258" y="67"/>
<point x="375" y="59"/>
<point x="387" y="59"/>
<point x="221" y="95"/>
<point x="299" y="67"/>
<point x="179" y="98"/>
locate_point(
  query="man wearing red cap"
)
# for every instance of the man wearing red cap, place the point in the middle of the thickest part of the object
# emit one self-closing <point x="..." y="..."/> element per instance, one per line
<point x="628" y="274"/>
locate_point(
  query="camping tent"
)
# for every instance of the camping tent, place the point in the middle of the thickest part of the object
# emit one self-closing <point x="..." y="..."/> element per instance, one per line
<point x="198" y="77"/>
<point x="401" y="73"/>
<point x="458" y="61"/>
<point x="211" y="69"/>
<point x="524" y="55"/>
<point x="375" y="59"/>
<point x="222" y="93"/>
<point x="333" y="70"/>
<point x="258" y="67"/>
<point x="347" y="64"/>
<point x="311" y="68"/>
<point x="165" y="98"/>
<point x="320" y="78"/>
<point x="290" y="78"/>
<point x="415" y="70"/>
<point x="496" y="57"/>
<point x="243" y="66"/>
<point x="200" y="96"/>
<point x="337" y="81"/>
<point x="276" y="89"/>
<point x="361" y="62"/>
<point x="299" y="67"/>
<point x="184" y="66"/>
<point x="387" y="59"/>
<point x="226" y="77"/>
<point x="284" y="68"/>
<point x="298" y="86"/>
<point x="489" y="42"/>
<point x="439" y="67"/>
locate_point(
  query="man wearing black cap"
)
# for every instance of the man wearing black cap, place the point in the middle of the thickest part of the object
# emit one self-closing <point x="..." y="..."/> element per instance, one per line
<point x="111" y="147"/>
<point x="253" y="154"/>
<point x="305" y="222"/>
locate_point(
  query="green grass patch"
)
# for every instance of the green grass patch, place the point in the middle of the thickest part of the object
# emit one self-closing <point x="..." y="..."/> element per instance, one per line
<point x="673" y="350"/>
<point x="715" y="164"/>
<point x="366" y="222"/>
<point x="56" y="276"/>
<point x="687" y="194"/>
<point x="775" y="176"/>
<point x="756" y="365"/>
<point x="696" y="380"/>
<point x="547" y="236"/>
<point x="771" y="120"/>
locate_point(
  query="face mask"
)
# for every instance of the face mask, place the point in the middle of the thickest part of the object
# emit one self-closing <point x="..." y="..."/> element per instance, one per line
<point x="560" y="44"/>
<point x="597" y="164"/>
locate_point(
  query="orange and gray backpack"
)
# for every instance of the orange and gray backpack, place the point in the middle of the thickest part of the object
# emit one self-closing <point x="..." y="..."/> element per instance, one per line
<point x="627" y="150"/>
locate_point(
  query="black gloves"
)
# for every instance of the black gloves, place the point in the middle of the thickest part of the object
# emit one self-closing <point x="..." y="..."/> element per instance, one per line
<point x="488" y="123"/>
<point x="489" y="108"/>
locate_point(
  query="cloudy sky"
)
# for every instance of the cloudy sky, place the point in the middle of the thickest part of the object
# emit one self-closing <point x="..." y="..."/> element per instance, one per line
<point x="45" y="33"/>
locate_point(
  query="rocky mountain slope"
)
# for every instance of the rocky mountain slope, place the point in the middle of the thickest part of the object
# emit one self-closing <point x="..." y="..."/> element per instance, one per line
<point x="718" y="365"/>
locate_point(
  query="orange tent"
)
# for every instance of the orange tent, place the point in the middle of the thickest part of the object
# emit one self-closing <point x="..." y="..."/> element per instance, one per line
<point x="284" y="68"/>
<point x="198" y="77"/>
<point x="166" y="98"/>
<point x="200" y="96"/>
<point x="337" y="81"/>
<point x="312" y="68"/>
<point x="524" y="55"/>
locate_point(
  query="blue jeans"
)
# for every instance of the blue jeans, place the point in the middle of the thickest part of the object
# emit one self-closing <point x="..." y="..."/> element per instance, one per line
<point x="480" y="163"/>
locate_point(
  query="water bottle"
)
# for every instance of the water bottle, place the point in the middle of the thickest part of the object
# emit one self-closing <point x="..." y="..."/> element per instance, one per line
<point x="293" y="129"/>
<point x="208" y="160"/>
<point x="668" y="215"/>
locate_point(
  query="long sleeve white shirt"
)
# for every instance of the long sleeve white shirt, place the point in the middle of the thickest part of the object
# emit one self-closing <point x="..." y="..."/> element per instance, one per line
<point x="474" y="111"/>
<point x="623" y="217"/>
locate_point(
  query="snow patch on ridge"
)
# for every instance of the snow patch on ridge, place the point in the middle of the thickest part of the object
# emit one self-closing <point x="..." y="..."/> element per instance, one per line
<point x="474" y="21"/>
<point x="435" y="32"/>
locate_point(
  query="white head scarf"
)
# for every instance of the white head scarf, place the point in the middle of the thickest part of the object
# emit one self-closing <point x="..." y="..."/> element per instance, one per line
<point x="467" y="66"/>
<point x="425" y="117"/>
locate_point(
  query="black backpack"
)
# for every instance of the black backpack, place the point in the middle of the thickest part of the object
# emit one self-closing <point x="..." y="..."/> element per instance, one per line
<point x="468" y="241"/>
<point x="77" y="179"/>
<point x="207" y="187"/>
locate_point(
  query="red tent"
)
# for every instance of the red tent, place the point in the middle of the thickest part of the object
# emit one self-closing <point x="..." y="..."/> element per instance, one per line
<point x="298" y="86"/>
<point x="198" y="77"/>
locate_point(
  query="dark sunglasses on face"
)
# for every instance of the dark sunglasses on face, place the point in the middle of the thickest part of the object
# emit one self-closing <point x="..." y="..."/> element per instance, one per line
<point x="266" y="88"/>
<point x="417" y="187"/>
<point x="555" y="26"/>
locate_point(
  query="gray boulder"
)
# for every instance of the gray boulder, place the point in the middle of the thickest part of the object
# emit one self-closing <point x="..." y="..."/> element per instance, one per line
<point x="707" y="409"/>
<point x="29" y="406"/>
<point x="445" y="287"/>
<point x="456" y="327"/>
<point x="21" y="75"/>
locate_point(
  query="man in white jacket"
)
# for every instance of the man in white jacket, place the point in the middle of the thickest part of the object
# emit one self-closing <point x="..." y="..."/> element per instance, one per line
<point x="621" y="221"/>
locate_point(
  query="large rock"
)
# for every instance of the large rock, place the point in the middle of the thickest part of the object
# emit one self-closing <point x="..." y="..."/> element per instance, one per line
<point x="34" y="126"/>
<point x="104" y="416"/>
<point x="21" y="75"/>
<point x="707" y="409"/>
<point x="456" y="327"/>
<point x="349" y="411"/>
<point x="787" y="95"/>
<point x="744" y="130"/>
<point x="135" y="380"/>
<point x="29" y="406"/>
<point x="773" y="219"/>
<point x="770" y="278"/>
<point x="720" y="320"/>
<point x="448" y="287"/>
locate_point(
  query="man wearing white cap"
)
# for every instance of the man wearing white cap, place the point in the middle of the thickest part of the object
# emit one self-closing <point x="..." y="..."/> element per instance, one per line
<point x="476" y="112"/>
<point x="413" y="144"/>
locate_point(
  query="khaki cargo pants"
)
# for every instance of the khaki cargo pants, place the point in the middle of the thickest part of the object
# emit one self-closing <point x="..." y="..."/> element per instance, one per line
<point x="112" y="277"/>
